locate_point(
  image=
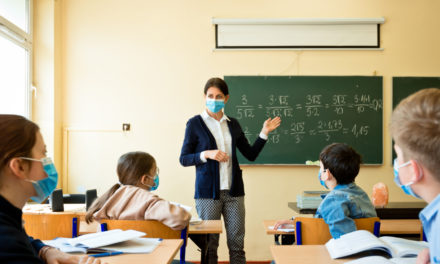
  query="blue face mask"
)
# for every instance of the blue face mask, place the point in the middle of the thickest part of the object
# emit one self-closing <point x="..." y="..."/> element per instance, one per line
<point x="46" y="186"/>
<point x="407" y="187"/>
<point x="215" y="105"/>
<point x="156" y="182"/>
<point x="321" y="181"/>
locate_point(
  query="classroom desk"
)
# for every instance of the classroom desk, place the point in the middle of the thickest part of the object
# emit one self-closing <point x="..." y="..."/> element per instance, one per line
<point x="394" y="210"/>
<point x="387" y="227"/>
<point x="199" y="234"/>
<point x="164" y="253"/>
<point x="306" y="254"/>
<point x="267" y="223"/>
<point x="289" y="239"/>
<point x="400" y="227"/>
<point x="80" y="209"/>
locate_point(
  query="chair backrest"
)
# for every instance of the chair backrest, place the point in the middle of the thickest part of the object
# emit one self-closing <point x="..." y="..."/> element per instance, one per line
<point x="152" y="228"/>
<point x="50" y="226"/>
<point x="314" y="231"/>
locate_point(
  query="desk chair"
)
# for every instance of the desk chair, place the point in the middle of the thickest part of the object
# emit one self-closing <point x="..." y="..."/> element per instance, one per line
<point x="314" y="231"/>
<point x="50" y="226"/>
<point x="153" y="228"/>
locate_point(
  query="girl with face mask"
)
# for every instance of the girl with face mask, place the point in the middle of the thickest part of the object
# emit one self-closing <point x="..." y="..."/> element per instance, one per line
<point x="131" y="198"/>
<point x="25" y="172"/>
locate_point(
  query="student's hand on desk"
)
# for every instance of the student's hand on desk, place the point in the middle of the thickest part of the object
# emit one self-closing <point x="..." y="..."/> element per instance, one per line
<point x="279" y="223"/>
<point x="423" y="257"/>
<point x="217" y="155"/>
<point x="54" y="256"/>
<point x="271" y="124"/>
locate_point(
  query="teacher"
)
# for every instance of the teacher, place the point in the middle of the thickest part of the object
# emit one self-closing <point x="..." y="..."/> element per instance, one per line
<point x="210" y="144"/>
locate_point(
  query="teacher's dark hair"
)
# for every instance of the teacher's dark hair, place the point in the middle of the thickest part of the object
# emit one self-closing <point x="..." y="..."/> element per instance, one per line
<point x="217" y="83"/>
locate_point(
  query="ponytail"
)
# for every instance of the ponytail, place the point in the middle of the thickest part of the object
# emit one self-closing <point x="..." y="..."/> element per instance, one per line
<point x="99" y="202"/>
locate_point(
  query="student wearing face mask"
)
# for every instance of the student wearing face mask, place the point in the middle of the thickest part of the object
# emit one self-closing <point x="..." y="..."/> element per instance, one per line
<point x="131" y="198"/>
<point x="210" y="144"/>
<point x="415" y="128"/>
<point x="25" y="172"/>
<point x="339" y="166"/>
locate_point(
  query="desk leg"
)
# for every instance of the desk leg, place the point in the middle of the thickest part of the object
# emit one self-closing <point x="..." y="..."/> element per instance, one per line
<point x="201" y="240"/>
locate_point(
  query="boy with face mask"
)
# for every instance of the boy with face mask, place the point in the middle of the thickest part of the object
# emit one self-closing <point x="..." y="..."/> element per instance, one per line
<point x="339" y="166"/>
<point x="415" y="128"/>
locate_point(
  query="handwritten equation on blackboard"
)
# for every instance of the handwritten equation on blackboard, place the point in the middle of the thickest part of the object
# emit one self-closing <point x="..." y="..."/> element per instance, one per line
<point x="311" y="116"/>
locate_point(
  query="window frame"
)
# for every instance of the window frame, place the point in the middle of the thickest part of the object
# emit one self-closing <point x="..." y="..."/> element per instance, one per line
<point x="23" y="39"/>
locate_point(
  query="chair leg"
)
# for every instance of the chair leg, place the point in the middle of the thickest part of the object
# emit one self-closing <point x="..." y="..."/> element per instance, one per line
<point x="376" y="230"/>
<point x="184" y="236"/>
<point x="298" y="233"/>
<point x="74" y="227"/>
<point x="103" y="227"/>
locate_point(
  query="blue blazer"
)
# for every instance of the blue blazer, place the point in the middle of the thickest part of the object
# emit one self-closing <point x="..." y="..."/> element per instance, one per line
<point x="198" y="138"/>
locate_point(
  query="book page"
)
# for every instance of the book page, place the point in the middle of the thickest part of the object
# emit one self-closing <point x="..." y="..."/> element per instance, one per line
<point x="62" y="244"/>
<point x="353" y="243"/>
<point x="382" y="260"/>
<point x="100" y="239"/>
<point x="136" y="245"/>
<point x="369" y="260"/>
<point x="404" y="247"/>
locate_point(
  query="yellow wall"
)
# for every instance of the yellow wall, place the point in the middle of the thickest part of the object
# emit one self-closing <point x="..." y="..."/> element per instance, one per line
<point x="145" y="62"/>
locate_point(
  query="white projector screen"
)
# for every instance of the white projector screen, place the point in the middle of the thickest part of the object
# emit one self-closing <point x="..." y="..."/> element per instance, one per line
<point x="307" y="34"/>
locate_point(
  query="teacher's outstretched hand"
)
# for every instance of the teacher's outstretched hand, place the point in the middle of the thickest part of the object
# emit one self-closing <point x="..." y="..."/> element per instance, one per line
<point x="270" y="125"/>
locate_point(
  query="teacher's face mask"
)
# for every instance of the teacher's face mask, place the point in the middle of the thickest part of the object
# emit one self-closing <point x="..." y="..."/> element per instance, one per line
<point x="215" y="105"/>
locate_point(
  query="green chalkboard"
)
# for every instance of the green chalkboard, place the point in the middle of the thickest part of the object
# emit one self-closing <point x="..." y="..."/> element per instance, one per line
<point x="404" y="86"/>
<point x="315" y="111"/>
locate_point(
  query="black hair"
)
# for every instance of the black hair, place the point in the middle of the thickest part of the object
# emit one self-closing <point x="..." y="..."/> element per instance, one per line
<point x="342" y="161"/>
<point x="217" y="83"/>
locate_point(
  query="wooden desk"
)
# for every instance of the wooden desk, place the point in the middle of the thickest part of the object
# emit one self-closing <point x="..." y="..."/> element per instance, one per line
<point x="199" y="234"/>
<point x="80" y="209"/>
<point x="306" y="254"/>
<point x="267" y="223"/>
<point x="394" y="210"/>
<point x="387" y="227"/>
<point x="400" y="226"/>
<point x="206" y="227"/>
<point x="164" y="253"/>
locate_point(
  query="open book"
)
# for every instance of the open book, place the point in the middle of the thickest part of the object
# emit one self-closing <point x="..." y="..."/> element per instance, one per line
<point x="128" y="241"/>
<point x="361" y="240"/>
<point x="382" y="260"/>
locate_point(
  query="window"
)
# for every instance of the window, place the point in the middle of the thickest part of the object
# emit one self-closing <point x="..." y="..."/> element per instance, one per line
<point x="15" y="57"/>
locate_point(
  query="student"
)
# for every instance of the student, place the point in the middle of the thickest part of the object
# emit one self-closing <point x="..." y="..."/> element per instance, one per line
<point x="131" y="199"/>
<point x="339" y="166"/>
<point x="25" y="172"/>
<point x="415" y="128"/>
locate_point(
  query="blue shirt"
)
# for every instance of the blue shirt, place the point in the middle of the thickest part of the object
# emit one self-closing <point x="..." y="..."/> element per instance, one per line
<point x="431" y="226"/>
<point x="343" y="204"/>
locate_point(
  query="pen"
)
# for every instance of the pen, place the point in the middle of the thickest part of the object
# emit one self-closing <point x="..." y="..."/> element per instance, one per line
<point x="106" y="254"/>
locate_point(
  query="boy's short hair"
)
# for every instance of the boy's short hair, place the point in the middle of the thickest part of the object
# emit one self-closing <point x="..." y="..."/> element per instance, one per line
<point x="342" y="161"/>
<point x="415" y="127"/>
